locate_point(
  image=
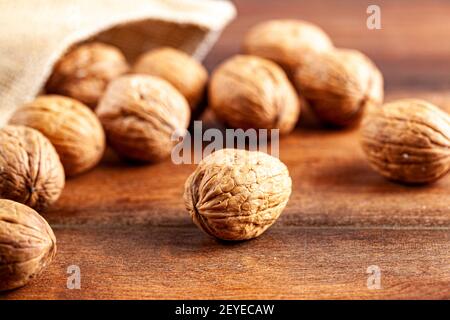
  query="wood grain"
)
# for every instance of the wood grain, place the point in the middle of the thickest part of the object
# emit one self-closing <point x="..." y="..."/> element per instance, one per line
<point x="286" y="263"/>
<point x="333" y="185"/>
<point x="127" y="229"/>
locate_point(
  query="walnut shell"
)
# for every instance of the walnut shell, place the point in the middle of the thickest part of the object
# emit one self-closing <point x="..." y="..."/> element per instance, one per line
<point x="408" y="141"/>
<point x="178" y="68"/>
<point x="251" y="92"/>
<point x="285" y="41"/>
<point x="27" y="244"/>
<point x="70" y="126"/>
<point x="339" y="85"/>
<point x="140" y="113"/>
<point x="237" y="194"/>
<point x="30" y="169"/>
<point x="84" y="72"/>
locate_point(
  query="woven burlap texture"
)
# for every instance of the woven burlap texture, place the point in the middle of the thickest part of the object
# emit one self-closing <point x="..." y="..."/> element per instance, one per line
<point x="34" y="35"/>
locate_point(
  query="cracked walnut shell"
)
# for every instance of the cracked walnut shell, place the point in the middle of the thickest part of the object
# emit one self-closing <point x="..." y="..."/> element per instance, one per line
<point x="237" y="194"/>
<point x="251" y="92"/>
<point x="30" y="169"/>
<point x="286" y="41"/>
<point x="140" y="113"/>
<point x="84" y="72"/>
<point x="339" y="85"/>
<point x="178" y="68"/>
<point x="27" y="244"/>
<point x="408" y="141"/>
<point x="70" y="126"/>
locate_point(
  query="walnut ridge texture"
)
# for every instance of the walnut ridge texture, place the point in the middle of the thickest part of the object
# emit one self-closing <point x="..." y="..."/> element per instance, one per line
<point x="30" y="170"/>
<point x="237" y="194"/>
<point x="27" y="244"/>
<point x="84" y="72"/>
<point x="251" y="92"/>
<point x="70" y="126"/>
<point x="140" y="113"/>
<point x="408" y="141"/>
<point x="178" y="68"/>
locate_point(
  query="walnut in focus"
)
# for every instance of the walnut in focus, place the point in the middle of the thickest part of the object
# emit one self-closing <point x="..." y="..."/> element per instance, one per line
<point x="27" y="244"/>
<point x="178" y="68"/>
<point x="84" y="72"/>
<point x="408" y="141"/>
<point x="30" y="169"/>
<point x="251" y="92"/>
<point x="70" y="126"/>
<point x="237" y="194"/>
<point x="140" y="113"/>
<point x="286" y="41"/>
<point x="339" y="85"/>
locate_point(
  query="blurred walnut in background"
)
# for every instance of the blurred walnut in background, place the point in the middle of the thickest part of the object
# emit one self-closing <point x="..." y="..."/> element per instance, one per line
<point x="178" y="68"/>
<point x="339" y="85"/>
<point x="286" y="41"/>
<point x="252" y="92"/>
<point x="84" y="72"/>
<point x="140" y="113"/>
<point x="70" y="126"/>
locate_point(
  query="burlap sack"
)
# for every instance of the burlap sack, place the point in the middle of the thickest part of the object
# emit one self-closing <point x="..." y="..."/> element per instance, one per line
<point x="34" y="34"/>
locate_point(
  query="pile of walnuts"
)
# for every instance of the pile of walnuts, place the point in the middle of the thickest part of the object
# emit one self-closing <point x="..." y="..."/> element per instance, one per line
<point x="92" y="96"/>
<point x="95" y="97"/>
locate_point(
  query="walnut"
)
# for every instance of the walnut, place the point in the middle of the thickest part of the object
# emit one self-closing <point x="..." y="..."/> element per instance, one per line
<point x="339" y="85"/>
<point x="27" y="244"/>
<point x="286" y="41"/>
<point x="408" y="141"/>
<point x="182" y="71"/>
<point x="237" y="194"/>
<point x="30" y="169"/>
<point x="84" y="72"/>
<point x="140" y="113"/>
<point x="71" y="127"/>
<point x="252" y="92"/>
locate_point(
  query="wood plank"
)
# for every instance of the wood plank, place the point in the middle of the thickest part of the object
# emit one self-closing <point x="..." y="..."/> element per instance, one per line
<point x="333" y="185"/>
<point x="126" y="226"/>
<point x="285" y="263"/>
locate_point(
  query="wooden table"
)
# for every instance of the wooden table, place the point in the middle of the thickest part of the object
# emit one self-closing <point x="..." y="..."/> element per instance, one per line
<point x="127" y="229"/>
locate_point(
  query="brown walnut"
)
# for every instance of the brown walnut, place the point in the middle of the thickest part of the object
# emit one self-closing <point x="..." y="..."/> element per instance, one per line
<point x="27" y="245"/>
<point x="339" y="85"/>
<point x="70" y="126"/>
<point x="84" y="72"/>
<point x="30" y="169"/>
<point x="286" y="41"/>
<point x="178" y="68"/>
<point x="237" y="194"/>
<point x="408" y="141"/>
<point x="251" y="92"/>
<point x="140" y="113"/>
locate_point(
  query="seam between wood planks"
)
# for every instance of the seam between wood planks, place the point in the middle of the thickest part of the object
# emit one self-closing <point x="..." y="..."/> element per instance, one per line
<point x="350" y="228"/>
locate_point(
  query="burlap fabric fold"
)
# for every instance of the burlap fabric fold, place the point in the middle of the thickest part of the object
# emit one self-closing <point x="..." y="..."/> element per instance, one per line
<point x="35" y="33"/>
